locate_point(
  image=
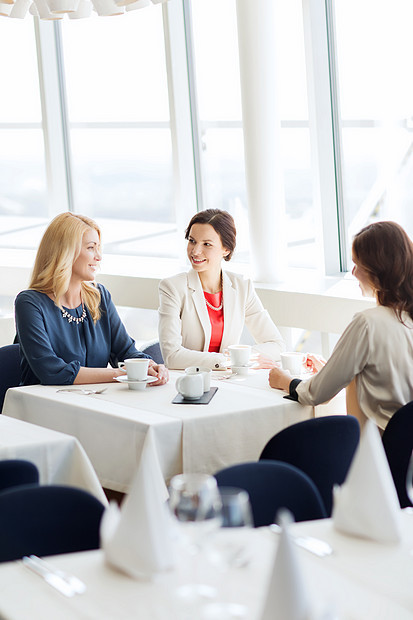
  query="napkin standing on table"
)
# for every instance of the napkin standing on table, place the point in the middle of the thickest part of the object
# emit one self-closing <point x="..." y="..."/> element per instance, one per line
<point x="287" y="597"/>
<point x="367" y="505"/>
<point x="138" y="538"/>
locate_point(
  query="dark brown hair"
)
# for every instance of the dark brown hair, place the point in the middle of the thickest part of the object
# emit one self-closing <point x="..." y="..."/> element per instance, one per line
<point x="385" y="252"/>
<point x="223" y="224"/>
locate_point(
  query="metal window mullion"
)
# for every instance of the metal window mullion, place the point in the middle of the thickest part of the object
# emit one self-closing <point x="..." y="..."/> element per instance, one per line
<point x="54" y="128"/>
<point x="321" y="131"/>
<point x="336" y="128"/>
<point x="195" y="122"/>
<point x="183" y="158"/>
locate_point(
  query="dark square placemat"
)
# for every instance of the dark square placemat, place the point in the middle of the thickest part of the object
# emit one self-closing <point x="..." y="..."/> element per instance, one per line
<point x="204" y="400"/>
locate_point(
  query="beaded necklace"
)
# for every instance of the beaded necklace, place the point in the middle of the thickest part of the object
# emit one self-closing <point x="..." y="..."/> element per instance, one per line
<point x="215" y="308"/>
<point x="74" y="319"/>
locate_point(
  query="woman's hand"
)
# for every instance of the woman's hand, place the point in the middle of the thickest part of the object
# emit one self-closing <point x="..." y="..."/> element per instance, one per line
<point x="279" y="379"/>
<point x="262" y="361"/>
<point x="314" y="363"/>
<point x="160" y="371"/>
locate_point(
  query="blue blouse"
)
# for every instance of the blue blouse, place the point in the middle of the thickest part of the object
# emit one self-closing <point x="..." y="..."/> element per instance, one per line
<point x="53" y="350"/>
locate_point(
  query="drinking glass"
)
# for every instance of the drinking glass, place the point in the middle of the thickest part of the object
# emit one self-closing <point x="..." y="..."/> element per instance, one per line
<point x="228" y="550"/>
<point x="195" y="501"/>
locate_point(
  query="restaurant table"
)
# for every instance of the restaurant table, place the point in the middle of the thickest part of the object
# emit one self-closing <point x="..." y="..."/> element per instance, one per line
<point x="361" y="580"/>
<point x="234" y="427"/>
<point x="59" y="458"/>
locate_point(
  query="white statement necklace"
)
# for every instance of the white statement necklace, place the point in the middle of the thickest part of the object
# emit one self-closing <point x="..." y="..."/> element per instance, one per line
<point x="74" y="319"/>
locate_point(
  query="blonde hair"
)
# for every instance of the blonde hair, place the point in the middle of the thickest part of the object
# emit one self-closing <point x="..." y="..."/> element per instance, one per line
<point x="59" y="248"/>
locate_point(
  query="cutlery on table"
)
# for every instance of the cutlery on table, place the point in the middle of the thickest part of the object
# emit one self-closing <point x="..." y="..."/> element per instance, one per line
<point x="83" y="390"/>
<point x="67" y="584"/>
<point x="319" y="547"/>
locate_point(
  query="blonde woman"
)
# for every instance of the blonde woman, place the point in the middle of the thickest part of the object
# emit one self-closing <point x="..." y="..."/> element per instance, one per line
<point x="67" y="325"/>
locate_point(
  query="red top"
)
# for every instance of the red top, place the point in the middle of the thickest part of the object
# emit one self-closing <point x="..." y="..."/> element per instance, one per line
<point x="217" y="320"/>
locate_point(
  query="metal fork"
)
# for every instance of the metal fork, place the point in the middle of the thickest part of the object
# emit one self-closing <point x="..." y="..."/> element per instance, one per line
<point x="83" y="390"/>
<point x="43" y="568"/>
<point x="319" y="547"/>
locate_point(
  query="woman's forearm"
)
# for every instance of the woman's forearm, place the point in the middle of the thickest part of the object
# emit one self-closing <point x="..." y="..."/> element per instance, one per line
<point x="97" y="375"/>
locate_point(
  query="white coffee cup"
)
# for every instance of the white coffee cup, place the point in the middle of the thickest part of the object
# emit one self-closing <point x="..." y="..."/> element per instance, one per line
<point x="205" y="372"/>
<point x="240" y="354"/>
<point x="136" y="368"/>
<point x="190" y="386"/>
<point x="293" y="362"/>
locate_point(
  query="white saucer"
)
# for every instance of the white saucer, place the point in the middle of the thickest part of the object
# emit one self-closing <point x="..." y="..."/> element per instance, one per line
<point x="241" y="370"/>
<point x="137" y="384"/>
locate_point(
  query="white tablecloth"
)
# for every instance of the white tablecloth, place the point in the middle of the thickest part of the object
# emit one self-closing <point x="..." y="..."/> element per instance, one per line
<point x="59" y="458"/>
<point x="361" y="581"/>
<point x="234" y="427"/>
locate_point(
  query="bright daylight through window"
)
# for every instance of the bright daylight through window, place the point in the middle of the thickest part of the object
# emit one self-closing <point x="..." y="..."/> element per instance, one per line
<point x="139" y="122"/>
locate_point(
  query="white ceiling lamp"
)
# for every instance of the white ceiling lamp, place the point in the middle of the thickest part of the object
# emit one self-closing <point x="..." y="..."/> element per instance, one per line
<point x="74" y="9"/>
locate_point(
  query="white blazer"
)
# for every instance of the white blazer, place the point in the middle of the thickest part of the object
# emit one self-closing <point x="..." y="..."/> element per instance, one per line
<point x="185" y="328"/>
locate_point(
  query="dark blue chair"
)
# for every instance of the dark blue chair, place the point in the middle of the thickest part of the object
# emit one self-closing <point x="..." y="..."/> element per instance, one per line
<point x="271" y="486"/>
<point x="10" y="373"/>
<point x="17" y="472"/>
<point x="398" y="445"/>
<point x="154" y="350"/>
<point x="323" y="448"/>
<point x="47" y="520"/>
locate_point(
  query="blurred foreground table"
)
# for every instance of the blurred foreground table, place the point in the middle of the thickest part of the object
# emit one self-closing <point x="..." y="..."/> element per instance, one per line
<point x="361" y="580"/>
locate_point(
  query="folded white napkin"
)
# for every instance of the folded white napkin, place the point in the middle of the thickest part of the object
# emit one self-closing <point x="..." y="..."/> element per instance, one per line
<point x="138" y="539"/>
<point x="367" y="505"/>
<point x="287" y="597"/>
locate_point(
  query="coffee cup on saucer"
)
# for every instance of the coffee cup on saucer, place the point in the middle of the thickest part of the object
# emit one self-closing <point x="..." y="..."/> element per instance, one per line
<point x="240" y="358"/>
<point x="136" y="368"/>
<point x="293" y="362"/>
<point x="190" y="386"/>
<point x="205" y="372"/>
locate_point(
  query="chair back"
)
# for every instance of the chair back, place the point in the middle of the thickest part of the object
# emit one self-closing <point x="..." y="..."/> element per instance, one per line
<point x="47" y="520"/>
<point x="398" y="445"/>
<point x="10" y="373"/>
<point x="154" y="350"/>
<point x="17" y="472"/>
<point x="271" y="486"/>
<point x="323" y="448"/>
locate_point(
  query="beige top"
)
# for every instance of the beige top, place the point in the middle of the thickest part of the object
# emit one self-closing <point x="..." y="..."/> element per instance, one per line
<point x="185" y="328"/>
<point x="376" y="350"/>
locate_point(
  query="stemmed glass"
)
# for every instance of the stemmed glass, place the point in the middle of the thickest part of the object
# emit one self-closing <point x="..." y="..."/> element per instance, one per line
<point x="195" y="501"/>
<point x="228" y="549"/>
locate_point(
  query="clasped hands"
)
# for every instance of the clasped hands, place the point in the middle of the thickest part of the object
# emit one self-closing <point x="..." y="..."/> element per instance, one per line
<point x="160" y="371"/>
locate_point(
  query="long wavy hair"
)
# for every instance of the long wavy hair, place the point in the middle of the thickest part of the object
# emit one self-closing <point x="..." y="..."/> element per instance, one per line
<point x="59" y="248"/>
<point x="385" y="252"/>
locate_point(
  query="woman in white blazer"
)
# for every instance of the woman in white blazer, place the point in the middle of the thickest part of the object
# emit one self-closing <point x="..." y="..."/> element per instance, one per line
<point x="374" y="357"/>
<point x="204" y="310"/>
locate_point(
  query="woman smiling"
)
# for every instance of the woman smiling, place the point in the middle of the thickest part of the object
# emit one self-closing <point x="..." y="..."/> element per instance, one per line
<point x="67" y="325"/>
<point x="204" y="310"/>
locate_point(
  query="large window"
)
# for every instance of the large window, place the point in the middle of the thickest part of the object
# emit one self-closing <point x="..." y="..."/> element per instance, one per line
<point x="374" y="51"/>
<point x="120" y="142"/>
<point x="137" y="121"/>
<point x="220" y="116"/>
<point x="23" y="187"/>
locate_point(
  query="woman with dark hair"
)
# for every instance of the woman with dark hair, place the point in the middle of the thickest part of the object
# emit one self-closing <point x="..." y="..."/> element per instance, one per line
<point x="203" y="311"/>
<point x="374" y="357"/>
